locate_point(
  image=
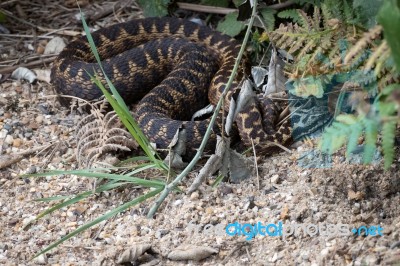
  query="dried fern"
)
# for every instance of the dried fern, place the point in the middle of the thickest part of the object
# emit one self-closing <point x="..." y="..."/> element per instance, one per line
<point x="98" y="134"/>
<point x="378" y="58"/>
<point x="333" y="43"/>
<point x="315" y="40"/>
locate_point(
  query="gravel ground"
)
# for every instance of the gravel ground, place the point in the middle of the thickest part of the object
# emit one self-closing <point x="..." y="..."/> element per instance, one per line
<point x="37" y="133"/>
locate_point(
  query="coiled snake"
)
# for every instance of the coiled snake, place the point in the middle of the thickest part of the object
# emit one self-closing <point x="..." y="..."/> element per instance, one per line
<point x="173" y="68"/>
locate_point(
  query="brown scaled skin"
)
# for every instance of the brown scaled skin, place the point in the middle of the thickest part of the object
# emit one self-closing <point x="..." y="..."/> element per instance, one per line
<point x="171" y="67"/>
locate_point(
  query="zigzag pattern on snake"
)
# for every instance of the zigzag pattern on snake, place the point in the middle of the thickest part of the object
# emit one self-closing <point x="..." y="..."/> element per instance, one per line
<point x="172" y="68"/>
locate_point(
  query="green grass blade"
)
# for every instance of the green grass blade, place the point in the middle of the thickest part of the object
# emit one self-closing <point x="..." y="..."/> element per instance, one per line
<point x="79" y="197"/>
<point x="119" y="177"/>
<point x="104" y="217"/>
<point x="120" y="107"/>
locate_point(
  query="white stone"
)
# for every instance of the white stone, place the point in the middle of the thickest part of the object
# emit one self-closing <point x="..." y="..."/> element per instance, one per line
<point x="9" y="139"/>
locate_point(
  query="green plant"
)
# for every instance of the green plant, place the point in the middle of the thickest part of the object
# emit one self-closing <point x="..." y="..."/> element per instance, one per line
<point x="318" y="41"/>
<point x="339" y="40"/>
<point x="382" y="115"/>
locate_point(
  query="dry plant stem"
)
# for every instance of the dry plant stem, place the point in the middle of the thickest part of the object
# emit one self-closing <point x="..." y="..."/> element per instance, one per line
<point x="8" y="2"/>
<point x="223" y="10"/>
<point x="7" y="160"/>
<point x="98" y="14"/>
<point x="30" y="64"/>
<point x="24" y="36"/>
<point x="11" y="15"/>
<point x="255" y="164"/>
<point x="197" y="157"/>
<point x="63" y="31"/>
<point x="206" y="9"/>
<point x="28" y="59"/>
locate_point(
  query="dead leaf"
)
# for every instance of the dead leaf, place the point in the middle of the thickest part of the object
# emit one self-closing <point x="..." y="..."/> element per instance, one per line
<point x="43" y="74"/>
<point x="55" y="46"/>
<point x="196" y="253"/>
<point x="285" y="213"/>
<point x="24" y="73"/>
<point x="258" y="73"/>
<point x="355" y="195"/>
<point x="133" y="253"/>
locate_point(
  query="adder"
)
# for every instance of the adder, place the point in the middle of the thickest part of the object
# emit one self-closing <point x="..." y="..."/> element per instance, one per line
<point x="171" y="68"/>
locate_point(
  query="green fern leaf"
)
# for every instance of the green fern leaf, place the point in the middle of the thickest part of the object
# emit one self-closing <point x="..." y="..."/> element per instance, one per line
<point x="305" y="21"/>
<point x="292" y="14"/>
<point x="326" y="42"/>
<point x="154" y="8"/>
<point x="386" y="108"/>
<point x="371" y="135"/>
<point x="355" y="134"/>
<point x="367" y="11"/>
<point x="348" y="15"/>
<point x="348" y="119"/>
<point x="389" y="89"/>
<point x="334" y="137"/>
<point x="268" y="16"/>
<point x="312" y="2"/>
<point x="388" y="136"/>
<point x="317" y="19"/>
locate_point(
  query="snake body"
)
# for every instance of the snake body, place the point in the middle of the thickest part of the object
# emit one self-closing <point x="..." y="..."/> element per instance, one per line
<point x="173" y="67"/>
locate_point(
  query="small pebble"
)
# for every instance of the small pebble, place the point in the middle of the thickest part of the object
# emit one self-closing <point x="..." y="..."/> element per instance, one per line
<point x="9" y="139"/>
<point x="161" y="232"/>
<point x="178" y="202"/>
<point x="17" y="143"/>
<point x="39" y="119"/>
<point x="194" y="195"/>
<point x="226" y="189"/>
<point x="41" y="260"/>
<point x="43" y="109"/>
<point x="33" y="125"/>
<point x="31" y="170"/>
<point x="25" y="120"/>
<point x="3" y="133"/>
<point x="275" y="179"/>
<point x="7" y="127"/>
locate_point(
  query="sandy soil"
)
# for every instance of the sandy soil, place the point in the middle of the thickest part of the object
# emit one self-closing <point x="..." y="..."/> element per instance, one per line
<point x="346" y="194"/>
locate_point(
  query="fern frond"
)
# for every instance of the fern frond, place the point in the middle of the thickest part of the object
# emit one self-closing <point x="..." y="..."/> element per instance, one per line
<point x="355" y="133"/>
<point x="317" y="18"/>
<point x="291" y="14"/>
<point x="358" y="60"/>
<point x="382" y="66"/>
<point x="348" y="14"/>
<point x="98" y="134"/>
<point x="326" y="42"/>
<point x="305" y="21"/>
<point x="371" y="135"/>
<point x="312" y="2"/>
<point x="367" y="39"/>
<point x="329" y="11"/>
<point x="382" y="51"/>
<point x="310" y="45"/>
<point x="388" y="137"/>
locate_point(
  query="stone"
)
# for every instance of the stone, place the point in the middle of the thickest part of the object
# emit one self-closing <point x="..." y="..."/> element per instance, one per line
<point x="17" y="143"/>
<point x="39" y="119"/>
<point x="9" y="139"/>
